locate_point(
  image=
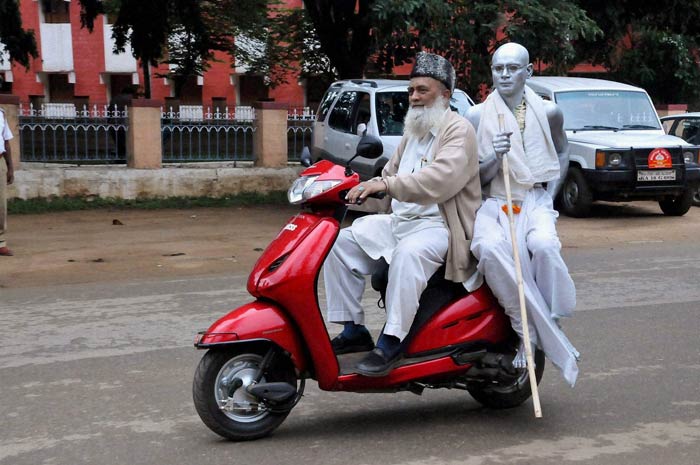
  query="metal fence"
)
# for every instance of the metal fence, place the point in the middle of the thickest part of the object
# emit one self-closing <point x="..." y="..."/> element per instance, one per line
<point x="299" y="131"/>
<point x="62" y="133"/>
<point x="192" y="134"/>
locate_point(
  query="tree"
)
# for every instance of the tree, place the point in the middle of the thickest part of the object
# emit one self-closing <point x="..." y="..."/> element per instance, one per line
<point x="386" y="33"/>
<point x="648" y="44"/>
<point x="19" y="44"/>
<point x="187" y="33"/>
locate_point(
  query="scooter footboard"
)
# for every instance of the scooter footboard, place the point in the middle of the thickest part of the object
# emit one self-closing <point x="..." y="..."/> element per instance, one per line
<point x="256" y="321"/>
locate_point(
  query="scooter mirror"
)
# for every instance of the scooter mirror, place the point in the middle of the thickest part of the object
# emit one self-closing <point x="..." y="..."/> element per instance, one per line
<point x="369" y="147"/>
<point x="305" y="158"/>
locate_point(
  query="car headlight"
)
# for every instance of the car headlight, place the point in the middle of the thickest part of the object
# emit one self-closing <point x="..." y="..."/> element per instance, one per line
<point x="307" y="187"/>
<point x="615" y="159"/>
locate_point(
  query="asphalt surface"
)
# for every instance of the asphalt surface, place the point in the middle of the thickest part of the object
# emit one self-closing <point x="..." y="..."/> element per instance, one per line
<point x="101" y="373"/>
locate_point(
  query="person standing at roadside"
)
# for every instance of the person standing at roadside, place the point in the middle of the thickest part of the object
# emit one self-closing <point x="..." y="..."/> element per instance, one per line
<point x="7" y="177"/>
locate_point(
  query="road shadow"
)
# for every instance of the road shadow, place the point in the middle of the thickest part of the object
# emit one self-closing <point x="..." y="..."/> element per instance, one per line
<point x="624" y="210"/>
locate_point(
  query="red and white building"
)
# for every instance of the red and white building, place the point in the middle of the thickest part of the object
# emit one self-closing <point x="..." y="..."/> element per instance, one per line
<point x="78" y="67"/>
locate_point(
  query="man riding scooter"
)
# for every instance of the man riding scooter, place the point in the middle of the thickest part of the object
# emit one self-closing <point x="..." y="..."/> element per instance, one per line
<point x="433" y="181"/>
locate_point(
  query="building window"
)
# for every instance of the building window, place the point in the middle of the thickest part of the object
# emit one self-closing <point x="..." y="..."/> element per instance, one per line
<point x="56" y="11"/>
<point x="5" y="87"/>
<point x="191" y="92"/>
<point x="60" y="90"/>
<point x="252" y="89"/>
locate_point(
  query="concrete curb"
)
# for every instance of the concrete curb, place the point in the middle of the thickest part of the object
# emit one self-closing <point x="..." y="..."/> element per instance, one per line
<point x="37" y="180"/>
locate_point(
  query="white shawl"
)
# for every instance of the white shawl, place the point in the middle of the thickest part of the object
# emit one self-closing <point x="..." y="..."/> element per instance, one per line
<point x="532" y="157"/>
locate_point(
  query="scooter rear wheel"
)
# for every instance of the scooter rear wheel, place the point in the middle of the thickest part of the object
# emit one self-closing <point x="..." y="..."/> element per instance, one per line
<point x="502" y="396"/>
<point x="224" y="404"/>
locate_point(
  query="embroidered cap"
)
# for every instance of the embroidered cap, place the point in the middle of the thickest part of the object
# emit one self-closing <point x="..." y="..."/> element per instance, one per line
<point x="436" y="67"/>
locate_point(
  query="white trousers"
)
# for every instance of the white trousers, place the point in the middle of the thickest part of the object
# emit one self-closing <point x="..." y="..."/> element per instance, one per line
<point x="416" y="257"/>
<point x="549" y="290"/>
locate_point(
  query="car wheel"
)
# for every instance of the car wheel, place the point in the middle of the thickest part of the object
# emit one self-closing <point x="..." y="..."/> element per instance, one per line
<point x="696" y="197"/>
<point x="678" y="206"/>
<point x="575" y="198"/>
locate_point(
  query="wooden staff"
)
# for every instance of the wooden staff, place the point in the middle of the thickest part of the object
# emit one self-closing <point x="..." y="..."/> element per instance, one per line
<point x="519" y="278"/>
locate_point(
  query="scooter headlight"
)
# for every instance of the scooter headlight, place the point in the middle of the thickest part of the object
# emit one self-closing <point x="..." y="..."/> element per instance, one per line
<point x="296" y="192"/>
<point x="307" y="187"/>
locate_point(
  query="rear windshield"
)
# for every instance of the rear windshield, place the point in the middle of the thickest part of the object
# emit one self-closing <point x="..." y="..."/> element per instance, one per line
<point x="609" y="109"/>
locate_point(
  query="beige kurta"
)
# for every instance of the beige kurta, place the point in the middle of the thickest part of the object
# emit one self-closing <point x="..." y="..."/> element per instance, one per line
<point x="458" y="197"/>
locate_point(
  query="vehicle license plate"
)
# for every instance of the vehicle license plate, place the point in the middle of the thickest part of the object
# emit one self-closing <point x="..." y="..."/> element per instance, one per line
<point x="660" y="175"/>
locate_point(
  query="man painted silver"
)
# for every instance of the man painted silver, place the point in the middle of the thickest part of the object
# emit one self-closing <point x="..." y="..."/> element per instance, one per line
<point x="537" y="149"/>
<point x="432" y="179"/>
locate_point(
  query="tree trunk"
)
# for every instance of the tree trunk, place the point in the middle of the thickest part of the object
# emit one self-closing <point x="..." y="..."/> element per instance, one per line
<point x="146" y="78"/>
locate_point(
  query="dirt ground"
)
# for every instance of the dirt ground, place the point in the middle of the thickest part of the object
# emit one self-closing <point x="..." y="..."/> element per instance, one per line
<point x="128" y="245"/>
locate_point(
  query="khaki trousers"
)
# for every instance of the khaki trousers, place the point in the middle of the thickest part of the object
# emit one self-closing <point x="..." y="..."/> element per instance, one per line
<point x="3" y="201"/>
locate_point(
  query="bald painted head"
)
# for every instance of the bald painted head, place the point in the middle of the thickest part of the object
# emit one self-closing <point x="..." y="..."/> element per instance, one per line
<point x="510" y="68"/>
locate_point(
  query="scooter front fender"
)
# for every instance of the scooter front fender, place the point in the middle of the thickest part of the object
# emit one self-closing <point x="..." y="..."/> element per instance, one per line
<point x="256" y="321"/>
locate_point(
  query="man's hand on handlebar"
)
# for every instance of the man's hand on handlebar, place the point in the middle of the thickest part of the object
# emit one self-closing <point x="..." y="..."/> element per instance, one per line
<point x="359" y="193"/>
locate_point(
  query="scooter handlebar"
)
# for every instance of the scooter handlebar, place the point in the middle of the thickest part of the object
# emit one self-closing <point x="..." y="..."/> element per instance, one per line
<point x="378" y="195"/>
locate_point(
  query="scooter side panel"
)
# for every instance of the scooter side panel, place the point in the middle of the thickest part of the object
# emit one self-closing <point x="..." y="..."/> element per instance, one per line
<point x="257" y="320"/>
<point x="476" y="317"/>
<point x="286" y="241"/>
<point x="293" y="285"/>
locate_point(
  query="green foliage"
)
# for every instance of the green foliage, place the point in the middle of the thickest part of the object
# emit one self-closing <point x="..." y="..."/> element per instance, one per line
<point x="650" y="44"/>
<point x="19" y="44"/>
<point x="186" y="34"/>
<point x="44" y="205"/>
<point x="387" y="33"/>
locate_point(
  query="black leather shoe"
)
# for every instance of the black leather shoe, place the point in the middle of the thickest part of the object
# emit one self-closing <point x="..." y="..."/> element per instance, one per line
<point x="377" y="363"/>
<point x="362" y="343"/>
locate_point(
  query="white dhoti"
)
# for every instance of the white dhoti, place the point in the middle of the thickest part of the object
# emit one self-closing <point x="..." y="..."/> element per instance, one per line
<point x="549" y="290"/>
<point x="415" y="249"/>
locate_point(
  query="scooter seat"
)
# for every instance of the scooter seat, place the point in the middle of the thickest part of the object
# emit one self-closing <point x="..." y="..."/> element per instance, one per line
<point x="436" y="295"/>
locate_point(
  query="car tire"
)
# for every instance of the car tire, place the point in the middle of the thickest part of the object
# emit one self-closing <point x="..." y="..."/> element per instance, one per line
<point x="696" y="197"/>
<point x="678" y="206"/>
<point x="575" y="198"/>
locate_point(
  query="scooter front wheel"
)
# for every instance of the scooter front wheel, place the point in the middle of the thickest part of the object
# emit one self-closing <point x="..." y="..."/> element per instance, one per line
<point x="222" y="399"/>
<point x="502" y="396"/>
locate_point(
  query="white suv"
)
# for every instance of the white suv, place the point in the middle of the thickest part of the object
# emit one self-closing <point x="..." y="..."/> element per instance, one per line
<point x="378" y="104"/>
<point x="617" y="147"/>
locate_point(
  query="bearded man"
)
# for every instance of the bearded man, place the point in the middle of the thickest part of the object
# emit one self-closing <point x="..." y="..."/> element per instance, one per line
<point x="537" y="148"/>
<point x="433" y="182"/>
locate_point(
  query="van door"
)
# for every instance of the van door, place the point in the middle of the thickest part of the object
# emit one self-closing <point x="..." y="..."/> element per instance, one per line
<point x="351" y="109"/>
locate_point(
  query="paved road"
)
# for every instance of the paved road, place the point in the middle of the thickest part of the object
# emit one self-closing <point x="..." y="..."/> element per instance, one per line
<point x="101" y="374"/>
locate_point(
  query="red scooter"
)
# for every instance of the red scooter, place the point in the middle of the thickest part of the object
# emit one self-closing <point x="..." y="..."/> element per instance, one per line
<point x="260" y="354"/>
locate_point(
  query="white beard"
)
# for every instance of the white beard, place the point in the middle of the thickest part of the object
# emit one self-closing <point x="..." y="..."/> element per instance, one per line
<point x="419" y="120"/>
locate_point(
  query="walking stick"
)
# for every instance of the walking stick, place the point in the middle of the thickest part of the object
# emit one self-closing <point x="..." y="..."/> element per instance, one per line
<point x="519" y="278"/>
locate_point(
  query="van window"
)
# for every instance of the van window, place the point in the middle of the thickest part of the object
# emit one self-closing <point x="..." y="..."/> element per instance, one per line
<point x="326" y="103"/>
<point x="341" y="117"/>
<point x="391" y="108"/>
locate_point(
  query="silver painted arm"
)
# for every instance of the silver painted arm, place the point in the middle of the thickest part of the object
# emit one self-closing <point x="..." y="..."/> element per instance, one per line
<point x="561" y="144"/>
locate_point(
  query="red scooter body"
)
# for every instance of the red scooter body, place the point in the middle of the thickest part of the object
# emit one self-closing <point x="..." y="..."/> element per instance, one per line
<point x="246" y="384"/>
<point x="287" y="312"/>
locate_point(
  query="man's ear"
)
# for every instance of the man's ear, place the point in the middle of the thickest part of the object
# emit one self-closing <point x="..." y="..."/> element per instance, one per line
<point x="530" y="70"/>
